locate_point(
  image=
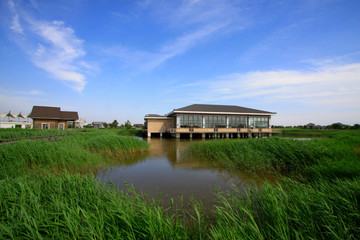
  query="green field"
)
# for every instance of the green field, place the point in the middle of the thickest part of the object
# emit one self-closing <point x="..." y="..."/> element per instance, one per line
<point x="48" y="191"/>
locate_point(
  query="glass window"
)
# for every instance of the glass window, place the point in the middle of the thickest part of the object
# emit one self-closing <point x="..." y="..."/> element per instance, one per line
<point x="215" y="121"/>
<point x="237" y="122"/>
<point x="259" y="122"/>
<point x="190" y="121"/>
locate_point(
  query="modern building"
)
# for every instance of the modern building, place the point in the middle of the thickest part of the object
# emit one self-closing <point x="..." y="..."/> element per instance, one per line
<point x="210" y="121"/>
<point x="51" y="117"/>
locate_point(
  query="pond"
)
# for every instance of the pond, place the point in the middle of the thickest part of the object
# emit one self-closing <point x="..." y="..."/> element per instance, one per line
<point x="166" y="168"/>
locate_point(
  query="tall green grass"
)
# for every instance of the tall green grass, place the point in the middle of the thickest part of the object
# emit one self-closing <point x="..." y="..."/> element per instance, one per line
<point x="69" y="206"/>
<point x="82" y="150"/>
<point x="130" y="132"/>
<point x="319" y="201"/>
<point x="313" y="158"/>
<point x="291" y="210"/>
<point x="8" y="133"/>
<point x="77" y="207"/>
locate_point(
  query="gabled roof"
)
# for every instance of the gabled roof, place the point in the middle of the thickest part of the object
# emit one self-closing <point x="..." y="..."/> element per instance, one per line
<point x="42" y="112"/>
<point x="219" y="109"/>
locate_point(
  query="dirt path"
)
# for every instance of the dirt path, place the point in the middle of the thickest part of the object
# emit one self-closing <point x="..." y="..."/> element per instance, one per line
<point x="48" y="138"/>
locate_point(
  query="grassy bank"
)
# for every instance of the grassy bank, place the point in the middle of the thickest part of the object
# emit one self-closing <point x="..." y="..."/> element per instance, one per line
<point x="318" y="201"/>
<point x="332" y="158"/>
<point x="77" y="207"/>
<point x="8" y="133"/>
<point x="68" y="206"/>
<point x="320" y="210"/>
<point x="78" y="152"/>
<point x="130" y="132"/>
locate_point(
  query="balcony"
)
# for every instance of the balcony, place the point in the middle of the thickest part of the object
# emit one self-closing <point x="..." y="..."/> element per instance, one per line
<point x="222" y="130"/>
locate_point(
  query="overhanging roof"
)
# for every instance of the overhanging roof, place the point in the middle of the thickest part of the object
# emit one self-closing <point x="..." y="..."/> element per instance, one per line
<point x="219" y="109"/>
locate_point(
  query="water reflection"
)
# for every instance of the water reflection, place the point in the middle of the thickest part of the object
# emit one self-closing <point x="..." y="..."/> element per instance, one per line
<point x="168" y="169"/>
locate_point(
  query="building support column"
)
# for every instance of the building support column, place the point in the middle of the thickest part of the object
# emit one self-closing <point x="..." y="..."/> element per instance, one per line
<point x="177" y="135"/>
<point x="227" y="135"/>
<point x="270" y="134"/>
<point x="190" y="135"/>
<point x="203" y="135"/>
<point x="149" y="134"/>
<point x="161" y="134"/>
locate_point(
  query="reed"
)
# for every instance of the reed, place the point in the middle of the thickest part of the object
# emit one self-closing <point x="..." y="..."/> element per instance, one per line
<point x="319" y="201"/>
<point x="130" y="132"/>
<point x="69" y="206"/>
<point x="78" y="207"/>
<point x="290" y="210"/>
<point x="9" y="133"/>
<point x="81" y="150"/>
<point x="313" y="158"/>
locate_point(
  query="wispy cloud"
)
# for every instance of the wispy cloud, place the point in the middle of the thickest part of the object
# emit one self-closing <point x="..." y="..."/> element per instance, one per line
<point x="147" y="61"/>
<point x="330" y="86"/>
<point x="15" y="24"/>
<point x="33" y="92"/>
<point x="53" y="47"/>
<point x="196" y="21"/>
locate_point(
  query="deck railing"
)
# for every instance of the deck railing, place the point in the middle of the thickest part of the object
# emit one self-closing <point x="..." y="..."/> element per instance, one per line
<point x="224" y="130"/>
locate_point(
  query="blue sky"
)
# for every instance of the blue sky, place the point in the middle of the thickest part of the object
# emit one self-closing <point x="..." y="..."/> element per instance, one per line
<point x="120" y="60"/>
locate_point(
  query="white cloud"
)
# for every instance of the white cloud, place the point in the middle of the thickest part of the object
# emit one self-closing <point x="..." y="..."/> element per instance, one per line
<point x="16" y="27"/>
<point x="15" y="24"/>
<point x="147" y="61"/>
<point x="53" y="47"/>
<point x="36" y="92"/>
<point x="31" y="92"/>
<point x="198" y="21"/>
<point x="333" y="87"/>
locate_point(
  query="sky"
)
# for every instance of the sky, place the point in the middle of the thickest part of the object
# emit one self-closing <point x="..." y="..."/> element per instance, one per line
<point x="118" y="59"/>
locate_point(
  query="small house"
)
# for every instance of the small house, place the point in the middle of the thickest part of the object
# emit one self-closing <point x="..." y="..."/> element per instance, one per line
<point x="51" y="117"/>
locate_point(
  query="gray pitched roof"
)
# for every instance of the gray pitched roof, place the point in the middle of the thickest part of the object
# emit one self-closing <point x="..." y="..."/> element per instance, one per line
<point x="42" y="112"/>
<point x="208" y="108"/>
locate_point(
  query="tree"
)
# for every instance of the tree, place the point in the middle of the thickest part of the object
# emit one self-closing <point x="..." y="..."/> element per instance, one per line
<point x="106" y="125"/>
<point x="128" y="124"/>
<point x="114" y="124"/>
<point x="337" y="125"/>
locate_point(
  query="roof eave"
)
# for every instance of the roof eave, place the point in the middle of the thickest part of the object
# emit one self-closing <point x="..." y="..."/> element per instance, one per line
<point x="230" y="113"/>
<point x="157" y="118"/>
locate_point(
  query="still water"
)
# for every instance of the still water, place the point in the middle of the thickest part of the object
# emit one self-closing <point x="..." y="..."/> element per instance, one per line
<point x="167" y="169"/>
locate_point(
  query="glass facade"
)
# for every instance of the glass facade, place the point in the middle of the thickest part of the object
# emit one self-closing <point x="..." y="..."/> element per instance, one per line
<point x="259" y="122"/>
<point x="215" y="121"/>
<point x="196" y="121"/>
<point x="238" y="122"/>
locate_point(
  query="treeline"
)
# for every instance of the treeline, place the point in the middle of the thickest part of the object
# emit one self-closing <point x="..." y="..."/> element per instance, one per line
<point x="115" y="124"/>
<point x="314" y="126"/>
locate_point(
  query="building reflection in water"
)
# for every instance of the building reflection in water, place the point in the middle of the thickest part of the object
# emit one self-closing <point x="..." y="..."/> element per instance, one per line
<point x="168" y="168"/>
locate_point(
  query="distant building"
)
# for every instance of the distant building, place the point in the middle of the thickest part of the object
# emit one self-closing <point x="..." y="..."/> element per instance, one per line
<point x="8" y="120"/>
<point x="98" y="124"/>
<point x="210" y="121"/>
<point x="138" y="126"/>
<point x="80" y="123"/>
<point x="51" y="117"/>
